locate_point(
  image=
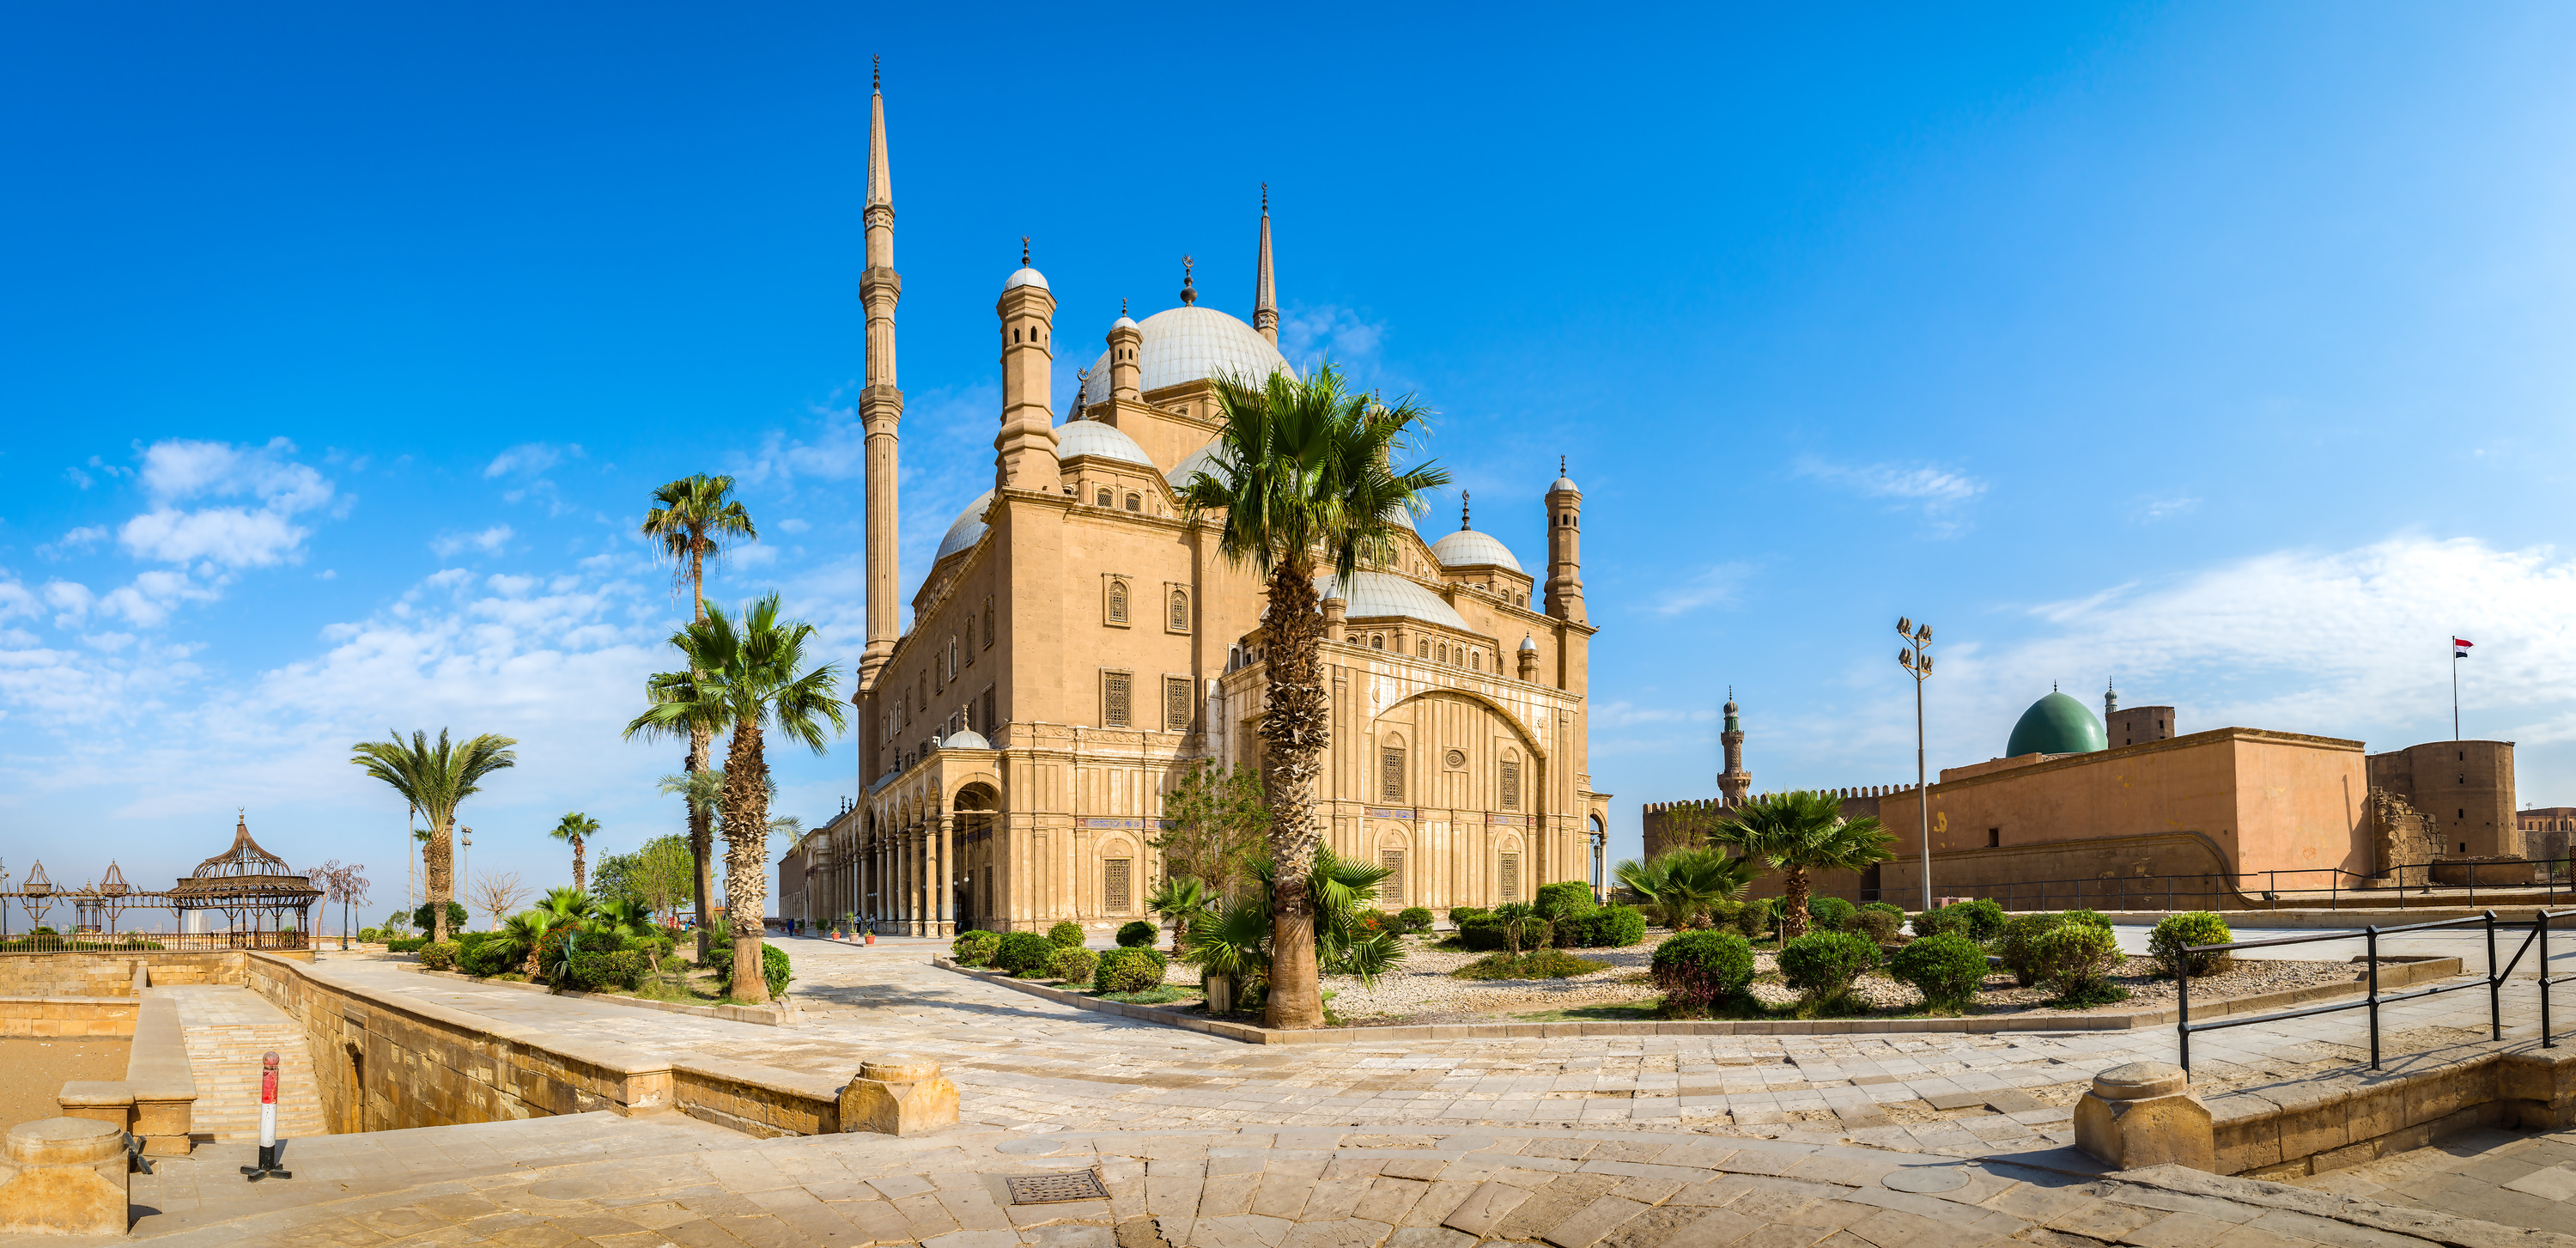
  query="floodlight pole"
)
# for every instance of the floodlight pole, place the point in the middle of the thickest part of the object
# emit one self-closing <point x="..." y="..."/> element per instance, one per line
<point x="1917" y="663"/>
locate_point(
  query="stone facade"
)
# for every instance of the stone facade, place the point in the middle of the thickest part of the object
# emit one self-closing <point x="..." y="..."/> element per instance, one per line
<point x="2465" y="790"/>
<point x="2399" y="835"/>
<point x="1078" y="643"/>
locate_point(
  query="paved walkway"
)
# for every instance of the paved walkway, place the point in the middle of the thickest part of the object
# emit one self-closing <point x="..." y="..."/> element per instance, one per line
<point x="227" y="1030"/>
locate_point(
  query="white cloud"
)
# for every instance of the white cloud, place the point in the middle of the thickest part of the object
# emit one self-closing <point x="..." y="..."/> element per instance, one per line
<point x="530" y="458"/>
<point x="489" y="541"/>
<point x="179" y="469"/>
<point x="77" y="542"/>
<point x="2155" y="509"/>
<point x="511" y="586"/>
<point x="79" y="478"/>
<point x="1308" y="336"/>
<point x="1717" y="586"/>
<point x="793" y="525"/>
<point x="149" y="601"/>
<point x="72" y="599"/>
<point x="230" y="537"/>
<point x="1936" y="492"/>
<point x="16" y="600"/>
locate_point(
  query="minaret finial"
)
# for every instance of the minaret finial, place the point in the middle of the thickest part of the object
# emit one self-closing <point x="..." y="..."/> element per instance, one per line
<point x="876" y="73"/>
<point x="1265" y="289"/>
<point x="1122" y="305"/>
<point x="1024" y="251"/>
<point x="1189" y="288"/>
<point x="1560" y="465"/>
<point x="1462" y="510"/>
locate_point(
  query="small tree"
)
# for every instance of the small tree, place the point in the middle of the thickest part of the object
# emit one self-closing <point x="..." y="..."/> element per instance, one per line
<point x="576" y="829"/>
<point x="1798" y="832"/>
<point x="498" y="893"/>
<point x="434" y="779"/>
<point x="340" y="884"/>
<point x="1214" y="820"/>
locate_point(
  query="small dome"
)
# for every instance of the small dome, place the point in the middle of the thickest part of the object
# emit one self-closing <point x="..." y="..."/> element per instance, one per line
<point x="2057" y="724"/>
<point x="966" y="739"/>
<point x="1198" y="461"/>
<point x="1190" y="344"/>
<point x="1123" y="322"/>
<point x="1377" y="595"/>
<point x="968" y="530"/>
<point x="1529" y="645"/>
<point x="1469" y="548"/>
<point x="1027" y="277"/>
<point x="1091" y="437"/>
<point x="1564" y="483"/>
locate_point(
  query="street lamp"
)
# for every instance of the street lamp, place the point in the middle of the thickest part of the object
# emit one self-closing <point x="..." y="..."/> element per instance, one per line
<point x="1915" y="657"/>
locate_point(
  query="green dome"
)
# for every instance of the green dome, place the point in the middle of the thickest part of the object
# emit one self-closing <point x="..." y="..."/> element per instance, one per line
<point x="2057" y="724"/>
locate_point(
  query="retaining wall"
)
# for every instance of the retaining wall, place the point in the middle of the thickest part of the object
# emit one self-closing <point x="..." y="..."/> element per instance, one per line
<point x="112" y="974"/>
<point x="67" y="1016"/>
<point x="2310" y="1126"/>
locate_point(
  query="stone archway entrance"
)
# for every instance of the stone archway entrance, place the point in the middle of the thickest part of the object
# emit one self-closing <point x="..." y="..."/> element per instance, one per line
<point x="978" y="815"/>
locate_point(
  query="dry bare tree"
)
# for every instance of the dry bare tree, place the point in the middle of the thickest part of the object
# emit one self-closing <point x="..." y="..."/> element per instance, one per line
<point x="498" y="893"/>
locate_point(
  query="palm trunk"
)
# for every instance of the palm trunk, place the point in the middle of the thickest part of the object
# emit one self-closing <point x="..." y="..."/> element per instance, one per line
<point x="746" y="804"/>
<point x="1295" y="728"/>
<point x="1793" y="899"/>
<point x="701" y="836"/>
<point x="440" y="866"/>
<point x="578" y="883"/>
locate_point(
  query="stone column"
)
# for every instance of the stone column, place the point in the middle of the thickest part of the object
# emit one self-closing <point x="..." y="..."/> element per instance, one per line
<point x="67" y="1176"/>
<point x="2144" y="1114"/>
<point x="947" y="876"/>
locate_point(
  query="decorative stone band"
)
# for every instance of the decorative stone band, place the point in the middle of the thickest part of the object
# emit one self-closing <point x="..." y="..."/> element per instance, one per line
<point x="1131" y="825"/>
<point x="1382" y="812"/>
<point x="1508" y="821"/>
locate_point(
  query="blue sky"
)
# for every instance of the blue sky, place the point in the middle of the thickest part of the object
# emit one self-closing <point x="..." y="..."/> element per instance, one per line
<point x="2216" y="348"/>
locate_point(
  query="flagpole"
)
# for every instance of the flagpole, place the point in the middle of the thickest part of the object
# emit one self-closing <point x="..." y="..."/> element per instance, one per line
<point x="2455" y="690"/>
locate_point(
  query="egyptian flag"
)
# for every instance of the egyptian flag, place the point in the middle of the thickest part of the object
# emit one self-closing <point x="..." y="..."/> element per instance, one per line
<point x="2460" y="647"/>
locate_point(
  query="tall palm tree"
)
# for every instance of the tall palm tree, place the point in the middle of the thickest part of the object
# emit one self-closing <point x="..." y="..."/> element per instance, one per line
<point x="576" y="828"/>
<point x="747" y="674"/>
<point x="1798" y="832"/>
<point x="692" y="521"/>
<point x="435" y="779"/>
<point x="1302" y="472"/>
<point x="1687" y="883"/>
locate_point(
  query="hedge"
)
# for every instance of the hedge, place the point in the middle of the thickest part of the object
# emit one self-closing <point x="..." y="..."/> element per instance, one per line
<point x="1065" y="935"/>
<point x="975" y="948"/>
<point x="1699" y="969"/>
<point x="1023" y="953"/>
<point x="1074" y="965"/>
<point x="1138" y="935"/>
<point x="1128" y="970"/>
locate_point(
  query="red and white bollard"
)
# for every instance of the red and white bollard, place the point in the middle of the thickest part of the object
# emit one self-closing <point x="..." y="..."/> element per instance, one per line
<point x="267" y="1167"/>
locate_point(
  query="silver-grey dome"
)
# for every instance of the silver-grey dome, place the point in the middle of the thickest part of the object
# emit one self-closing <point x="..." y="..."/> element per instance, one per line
<point x="1377" y="595"/>
<point x="1027" y="277"/>
<point x="1190" y="344"/>
<point x="968" y="530"/>
<point x="1091" y="437"/>
<point x="1196" y="462"/>
<point x="1469" y="548"/>
<point x="966" y="739"/>
<point x="1528" y="644"/>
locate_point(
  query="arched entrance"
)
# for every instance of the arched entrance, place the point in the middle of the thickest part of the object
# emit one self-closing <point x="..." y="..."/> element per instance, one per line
<point x="978" y="809"/>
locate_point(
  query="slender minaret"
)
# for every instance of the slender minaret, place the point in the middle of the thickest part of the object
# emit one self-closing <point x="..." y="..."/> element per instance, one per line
<point x="880" y="402"/>
<point x="1565" y="548"/>
<point x="2110" y="700"/>
<point x="1265" y="294"/>
<point x="1125" y="342"/>
<point x="1734" y="782"/>
<point x="1024" y="456"/>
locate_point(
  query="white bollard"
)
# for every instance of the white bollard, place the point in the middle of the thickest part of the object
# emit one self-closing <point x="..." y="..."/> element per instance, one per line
<point x="267" y="1167"/>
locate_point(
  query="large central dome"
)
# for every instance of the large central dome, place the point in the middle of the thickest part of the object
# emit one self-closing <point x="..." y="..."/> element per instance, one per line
<point x="2057" y="724"/>
<point x="1190" y="344"/>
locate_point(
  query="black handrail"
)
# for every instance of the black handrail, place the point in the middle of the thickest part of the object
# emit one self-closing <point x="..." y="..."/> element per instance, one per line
<point x="2371" y="999"/>
<point x="2211" y="887"/>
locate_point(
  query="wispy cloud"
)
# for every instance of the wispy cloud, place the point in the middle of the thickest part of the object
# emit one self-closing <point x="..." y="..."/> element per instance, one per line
<point x="1938" y="493"/>
<point x="530" y="458"/>
<point x="1311" y="335"/>
<point x="2155" y="509"/>
<point x="1720" y="585"/>
<point x="490" y="541"/>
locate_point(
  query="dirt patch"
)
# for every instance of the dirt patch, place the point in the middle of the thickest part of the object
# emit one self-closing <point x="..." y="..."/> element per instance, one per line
<point x="33" y="1070"/>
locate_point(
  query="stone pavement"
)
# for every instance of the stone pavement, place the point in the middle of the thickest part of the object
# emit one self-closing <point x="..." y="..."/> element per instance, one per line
<point x="2524" y="1179"/>
<point x="227" y="1030"/>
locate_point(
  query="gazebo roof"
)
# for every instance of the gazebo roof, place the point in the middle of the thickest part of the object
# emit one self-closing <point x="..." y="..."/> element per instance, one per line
<point x="245" y="874"/>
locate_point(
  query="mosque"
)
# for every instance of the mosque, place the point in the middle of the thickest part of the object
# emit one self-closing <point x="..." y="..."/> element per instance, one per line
<point x="2125" y="806"/>
<point x="1078" y="643"/>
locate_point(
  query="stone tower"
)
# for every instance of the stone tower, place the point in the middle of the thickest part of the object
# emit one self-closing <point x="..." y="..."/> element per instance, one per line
<point x="1734" y="782"/>
<point x="880" y="402"/>
<point x="1565" y="548"/>
<point x="1024" y="456"/>
<point x="1265" y="293"/>
<point x="1125" y="342"/>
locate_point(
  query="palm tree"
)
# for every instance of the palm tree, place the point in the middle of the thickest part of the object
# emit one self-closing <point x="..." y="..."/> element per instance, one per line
<point x="1687" y="883"/>
<point x="692" y="521"/>
<point x="576" y="828"/>
<point x="1302" y="472"/>
<point x="746" y="674"/>
<point x="1798" y="832"/>
<point x="1181" y="900"/>
<point x="435" y="779"/>
<point x="521" y="936"/>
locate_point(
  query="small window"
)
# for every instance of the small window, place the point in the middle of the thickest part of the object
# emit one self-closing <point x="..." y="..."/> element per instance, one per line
<point x="1180" y="611"/>
<point x="1103" y="498"/>
<point x="1425" y="644"/>
<point x="1176" y="704"/>
<point x="988" y="623"/>
<point x="970" y="641"/>
<point x="1377" y="641"/>
<point x="1117" y="602"/>
<point x="1117" y="884"/>
<point x="1391" y="773"/>
<point x="1509" y="877"/>
<point x="1135" y="502"/>
<point x="1475" y="660"/>
<point x="990" y="723"/>
<point x="1115" y="709"/>
<point x="1443" y="650"/>
<point x="1511" y="782"/>
<point x="1391" y="890"/>
<point x="1994" y="838"/>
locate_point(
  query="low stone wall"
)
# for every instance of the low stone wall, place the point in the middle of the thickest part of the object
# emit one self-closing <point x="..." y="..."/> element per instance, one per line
<point x="2310" y="1126"/>
<point x="389" y="1064"/>
<point x="67" y="1016"/>
<point x="162" y="1083"/>
<point x="112" y="974"/>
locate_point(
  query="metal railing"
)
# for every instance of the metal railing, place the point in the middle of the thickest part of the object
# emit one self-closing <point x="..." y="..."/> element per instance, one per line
<point x="2371" y="1000"/>
<point x="151" y="942"/>
<point x="2206" y="890"/>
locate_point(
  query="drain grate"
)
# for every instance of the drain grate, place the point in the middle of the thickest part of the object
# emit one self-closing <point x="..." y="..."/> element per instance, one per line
<point x="1048" y="1189"/>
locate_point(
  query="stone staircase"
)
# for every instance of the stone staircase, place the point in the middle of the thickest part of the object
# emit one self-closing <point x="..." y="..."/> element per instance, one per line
<point x="227" y="1031"/>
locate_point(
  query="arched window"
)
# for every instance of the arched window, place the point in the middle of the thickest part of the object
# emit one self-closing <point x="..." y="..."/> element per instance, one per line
<point x="1425" y="644"/>
<point x="1180" y="611"/>
<point x="1135" y="502"/>
<point x="1509" y="785"/>
<point x="1117" y="602"/>
<point x="988" y="623"/>
<point x="1444" y="652"/>
<point x="1475" y="660"/>
<point x="970" y="641"/>
<point x="1103" y="498"/>
<point x="1377" y="641"/>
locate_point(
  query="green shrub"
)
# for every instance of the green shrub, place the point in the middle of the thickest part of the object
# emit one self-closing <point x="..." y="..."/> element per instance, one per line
<point x="1536" y="964"/>
<point x="1138" y="935"/>
<point x="774" y="968"/>
<point x="2017" y="946"/>
<point x="2076" y="960"/>
<point x="484" y="957"/>
<point x="1023" y="953"/>
<point x="1699" y="969"/>
<point x="975" y="948"/>
<point x="2197" y="927"/>
<point x="1878" y="921"/>
<point x="1414" y="919"/>
<point x="1984" y="918"/>
<point x="1831" y="914"/>
<point x="1564" y="898"/>
<point x="456" y="917"/>
<point x="1946" y="921"/>
<point x="438" y="955"/>
<point x="371" y="935"/>
<point x="1945" y="968"/>
<point x="593" y="972"/>
<point x="1128" y="970"/>
<point x="1065" y="935"/>
<point x="1074" y="966"/>
<point x="1822" y="965"/>
<point x="1609" y="927"/>
<point x="1458" y="915"/>
<point x="406" y="944"/>
<point x="1757" y="917"/>
<point x="2094" y="917"/>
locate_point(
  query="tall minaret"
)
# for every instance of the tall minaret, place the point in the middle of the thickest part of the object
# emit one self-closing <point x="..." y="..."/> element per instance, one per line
<point x="880" y="402"/>
<point x="1126" y="341"/>
<point x="1265" y="293"/>
<point x="2110" y="700"/>
<point x="1024" y="456"/>
<point x="1565" y="548"/>
<point x="1734" y="782"/>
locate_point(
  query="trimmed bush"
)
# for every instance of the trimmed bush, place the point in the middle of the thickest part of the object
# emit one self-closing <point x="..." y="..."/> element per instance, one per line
<point x="485" y="958"/>
<point x="438" y="955"/>
<point x="2197" y="927"/>
<point x="1609" y="927"/>
<point x="1822" y="965"/>
<point x="456" y="917"/>
<point x="1758" y="917"/>
<point x="1023" y="953"/>
<point x="774" y="968"/>
<point x="1984" y="918"/>
<point x="1074" y="966"/>
<point x="1065" y="935"/>
<point x="1138" y="935"/>
<point x="975" y="948"/>
<point x="592" y="972"/>
<point x="1946" y="921"/>
<point x="405" y="944"/>
<point x="2018" y="944"/>
<point x="1128" y="970"/>
<point x="1414" y="919"/>
<point x="1878" y="921"/>
<point x="1563" y="899"/>
<point x="1945" y="968"/>
<point x="1699" y="969"/>
<point x="2094" y="917"/>
<point x="1831" y="914"/>
<point x="1536" y="964"/>
<point x="2075" y="960"/>
<point x="1485" y="932"/>
<point x="1458" y="915"/>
